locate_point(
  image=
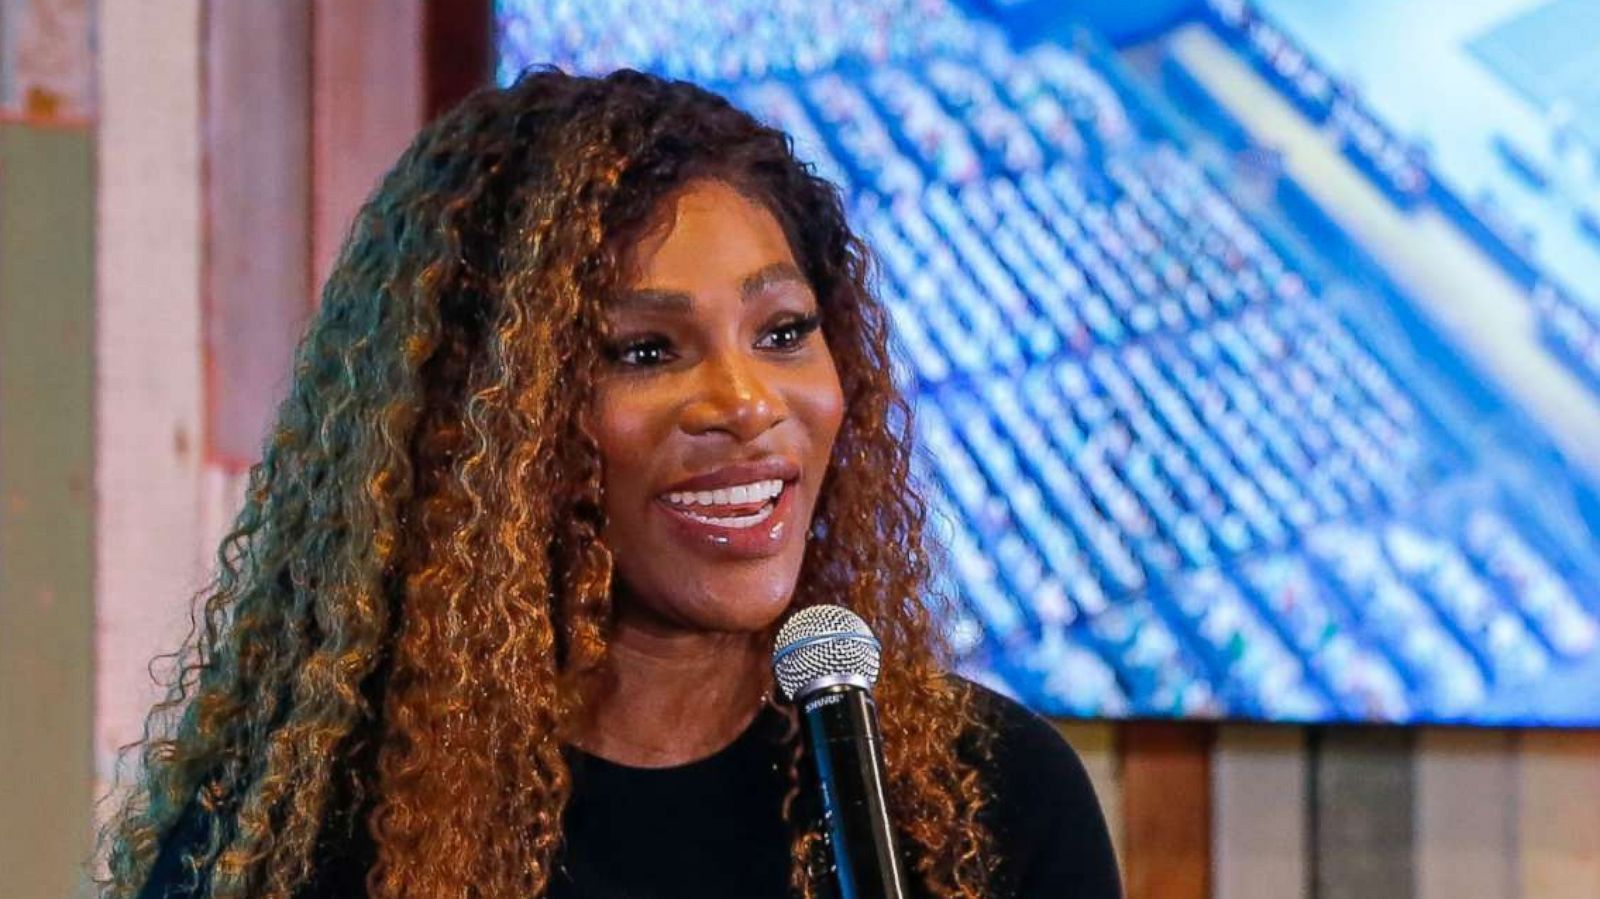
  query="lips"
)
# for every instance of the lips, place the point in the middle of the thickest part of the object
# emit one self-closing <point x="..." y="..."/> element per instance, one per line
<point x="747" y="472"/>
<point x="740" y="511"/>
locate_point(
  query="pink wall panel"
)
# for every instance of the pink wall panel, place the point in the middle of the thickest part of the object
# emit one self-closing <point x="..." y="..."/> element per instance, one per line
<point x="46" y="60"/>
<point x="367" y="95"/>
<point x="257" y="146"/>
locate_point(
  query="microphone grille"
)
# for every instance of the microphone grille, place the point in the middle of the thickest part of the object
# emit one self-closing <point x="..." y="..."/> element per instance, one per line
<point x="820" y="642"/>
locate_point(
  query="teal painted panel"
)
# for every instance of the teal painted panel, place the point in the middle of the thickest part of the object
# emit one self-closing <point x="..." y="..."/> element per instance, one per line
<point x="46" y="506"/>
<point x="1361" y="795"/>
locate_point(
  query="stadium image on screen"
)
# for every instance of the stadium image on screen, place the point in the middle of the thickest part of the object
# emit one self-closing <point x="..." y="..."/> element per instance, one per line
<point x="1254" y="347"/>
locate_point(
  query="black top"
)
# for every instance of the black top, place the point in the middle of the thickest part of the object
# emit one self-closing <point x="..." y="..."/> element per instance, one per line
<point x="714" y="827"/>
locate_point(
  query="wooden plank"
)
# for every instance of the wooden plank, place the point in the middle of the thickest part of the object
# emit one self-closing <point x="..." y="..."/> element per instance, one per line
<point x="1259" y="812"/>
<point x="1558" y="828"/>
<point x="1167" y="809"/>
<point x="257" y="203"/>
<point x="1466" y="814"/>
<point x="46" y="506"/>
<point x="47" y="60"/>
<point x="1096" y="744"/>
<point x="367" y="100"/>
<point x="149" y="388"/>
<point x="1362" y="824"/>
<point x="458" y="41"/>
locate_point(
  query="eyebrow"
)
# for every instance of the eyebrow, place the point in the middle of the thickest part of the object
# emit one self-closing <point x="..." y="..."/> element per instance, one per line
<point x="678" y="301"/>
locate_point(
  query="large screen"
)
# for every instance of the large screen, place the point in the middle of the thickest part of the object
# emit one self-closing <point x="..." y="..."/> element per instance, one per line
<point x="1254" y="349"/>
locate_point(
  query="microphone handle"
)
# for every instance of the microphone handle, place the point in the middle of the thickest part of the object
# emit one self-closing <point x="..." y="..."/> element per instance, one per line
<point x="841" y="727"/>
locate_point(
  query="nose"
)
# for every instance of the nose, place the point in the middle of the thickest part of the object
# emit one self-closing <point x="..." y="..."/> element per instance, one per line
<point x="735" y="394"/>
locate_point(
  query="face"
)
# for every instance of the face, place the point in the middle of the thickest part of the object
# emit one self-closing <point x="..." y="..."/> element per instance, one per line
<point x="715" y="417"/>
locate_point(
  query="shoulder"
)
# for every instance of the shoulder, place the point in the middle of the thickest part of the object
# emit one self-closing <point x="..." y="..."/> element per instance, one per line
<point x="1021" y="740"/>
<point x="1050" y="834"/>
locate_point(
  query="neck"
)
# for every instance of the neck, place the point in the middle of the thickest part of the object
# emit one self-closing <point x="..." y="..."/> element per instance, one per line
<point x="673" y="696"/>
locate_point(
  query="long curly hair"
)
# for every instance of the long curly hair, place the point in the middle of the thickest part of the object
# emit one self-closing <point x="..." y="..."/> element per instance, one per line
<point x="407" y="608"/>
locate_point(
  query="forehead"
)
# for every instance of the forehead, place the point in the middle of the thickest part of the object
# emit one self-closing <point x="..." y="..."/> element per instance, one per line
<point x="708" y="234"/>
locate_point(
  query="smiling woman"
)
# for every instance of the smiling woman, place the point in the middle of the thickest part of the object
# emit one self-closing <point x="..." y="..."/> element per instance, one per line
<point x="743" y="397"/>
<point x="596" y="398"/>
<point x="713" y="454"/>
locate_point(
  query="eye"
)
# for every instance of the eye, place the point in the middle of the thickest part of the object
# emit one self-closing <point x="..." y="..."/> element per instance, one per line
<point x="795" y="331"/>
<point x="645" y="352"/>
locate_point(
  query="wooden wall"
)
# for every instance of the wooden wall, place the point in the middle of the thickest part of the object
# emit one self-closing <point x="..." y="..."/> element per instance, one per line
<point x="1427" y="813"/>
<point x="46" y="534"/>
<point x="47" y="502"/>
<point x="183" y="187"/>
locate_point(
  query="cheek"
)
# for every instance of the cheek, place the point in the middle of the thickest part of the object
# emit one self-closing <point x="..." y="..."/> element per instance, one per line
<point x="623" y="429"/>
<point x="821" y="402"/>
<point x="623" y="440"/>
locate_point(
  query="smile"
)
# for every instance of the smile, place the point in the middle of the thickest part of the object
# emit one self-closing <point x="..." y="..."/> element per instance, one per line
<point x="740" y="506"/>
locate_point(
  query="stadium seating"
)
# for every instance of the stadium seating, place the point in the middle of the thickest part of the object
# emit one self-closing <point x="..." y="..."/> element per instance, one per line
<point x="1170" y="479"/>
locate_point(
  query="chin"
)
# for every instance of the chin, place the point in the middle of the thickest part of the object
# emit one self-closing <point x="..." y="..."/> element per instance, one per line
<point x="738" y="605"/>
<point x="735" y="602"/>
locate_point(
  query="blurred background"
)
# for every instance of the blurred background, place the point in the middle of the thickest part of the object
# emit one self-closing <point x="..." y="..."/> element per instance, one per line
<point x="1255" y="352"/>
<point x="1244" y="394"/>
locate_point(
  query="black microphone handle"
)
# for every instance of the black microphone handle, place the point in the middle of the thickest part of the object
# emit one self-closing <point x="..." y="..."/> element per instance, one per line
<point x="841" y="730"/>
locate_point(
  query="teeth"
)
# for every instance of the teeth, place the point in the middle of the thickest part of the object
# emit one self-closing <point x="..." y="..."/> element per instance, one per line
<point x="738" y="521"/>
<point x="760" y="491"/>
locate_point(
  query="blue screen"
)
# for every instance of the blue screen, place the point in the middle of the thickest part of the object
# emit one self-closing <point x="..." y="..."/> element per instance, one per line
<point x="1254" y="348"/>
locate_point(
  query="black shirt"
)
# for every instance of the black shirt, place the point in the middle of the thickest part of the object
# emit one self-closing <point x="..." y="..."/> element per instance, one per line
<point x="714" y="828"/>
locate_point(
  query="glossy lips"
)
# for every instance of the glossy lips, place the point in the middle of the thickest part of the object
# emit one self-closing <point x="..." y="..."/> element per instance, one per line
<point x="730" y="511"/>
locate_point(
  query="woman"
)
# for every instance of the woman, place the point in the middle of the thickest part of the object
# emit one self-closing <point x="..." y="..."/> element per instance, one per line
<point x="596" y="396"/>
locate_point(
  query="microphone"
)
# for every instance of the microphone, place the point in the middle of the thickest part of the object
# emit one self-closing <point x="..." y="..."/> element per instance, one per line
<point x="826" y="661"/>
